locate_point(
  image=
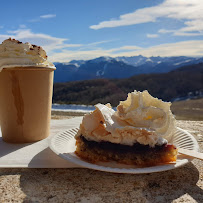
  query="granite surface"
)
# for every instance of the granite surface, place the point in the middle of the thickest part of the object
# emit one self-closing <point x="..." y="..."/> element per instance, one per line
<point x="183" y="184"/>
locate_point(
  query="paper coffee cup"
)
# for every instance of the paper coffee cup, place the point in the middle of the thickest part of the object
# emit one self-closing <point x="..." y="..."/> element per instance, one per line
<point x="25" y="103"/>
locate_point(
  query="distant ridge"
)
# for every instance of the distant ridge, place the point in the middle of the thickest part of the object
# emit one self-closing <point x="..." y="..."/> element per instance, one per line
<point x="119" y="67"/>
<point x="183" y="83"/>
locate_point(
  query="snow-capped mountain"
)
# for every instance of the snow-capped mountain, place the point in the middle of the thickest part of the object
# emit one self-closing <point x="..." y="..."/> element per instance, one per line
<point x="77" y="63"/>
<point x="133" y="60"/>
<point x="154" y="61"/>
<point x="119" y="67"/>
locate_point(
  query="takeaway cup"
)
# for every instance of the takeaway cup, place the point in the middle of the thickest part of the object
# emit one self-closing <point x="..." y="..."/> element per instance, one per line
<point x="25" y="103"/>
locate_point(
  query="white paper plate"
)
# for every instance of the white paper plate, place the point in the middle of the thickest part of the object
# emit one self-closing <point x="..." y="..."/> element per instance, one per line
<point x="63" y="144"/>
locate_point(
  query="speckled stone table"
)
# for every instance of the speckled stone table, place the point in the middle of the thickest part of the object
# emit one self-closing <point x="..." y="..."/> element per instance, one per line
<point x="183" y="184"/>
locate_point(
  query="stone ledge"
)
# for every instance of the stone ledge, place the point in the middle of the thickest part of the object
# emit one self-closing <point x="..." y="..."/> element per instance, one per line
<point x="183" y="184"/>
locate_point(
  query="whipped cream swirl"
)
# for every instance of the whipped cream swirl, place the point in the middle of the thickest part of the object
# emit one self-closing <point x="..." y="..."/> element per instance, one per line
<point x="142" y="110"/>
<point x="14" y="53"/>
<point x="140" y="119"/>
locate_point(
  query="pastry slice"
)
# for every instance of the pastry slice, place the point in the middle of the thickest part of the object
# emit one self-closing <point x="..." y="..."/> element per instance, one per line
<point x="137" y="154"/>
<point x="138" y="133"/>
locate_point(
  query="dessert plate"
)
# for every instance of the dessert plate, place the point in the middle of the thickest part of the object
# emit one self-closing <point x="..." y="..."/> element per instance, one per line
<point x="63" y="144"/>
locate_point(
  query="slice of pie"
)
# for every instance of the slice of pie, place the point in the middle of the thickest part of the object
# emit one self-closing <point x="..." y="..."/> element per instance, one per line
<point x="137" y="133"/>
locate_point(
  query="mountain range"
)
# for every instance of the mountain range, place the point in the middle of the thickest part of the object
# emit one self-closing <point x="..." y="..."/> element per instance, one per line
<point x="119" y="67"/>
<point x="180" y="84"/>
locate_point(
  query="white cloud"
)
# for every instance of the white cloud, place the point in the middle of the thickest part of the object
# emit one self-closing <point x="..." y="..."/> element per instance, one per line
<point x="189" y="11"/>
<point x="34" y="20"/>
<point x="100" y="42"/>
<point x="22" y="26"/>
<point x="67" y="55"/>
<point x="180" y="33"/>
<point x="90" y="54"/>
<point x="152" y="35"/>
<point x="59" y="50"/>
<point x="130" y="47"/>
<point x="42" y="17"/>
<point x="48" y="16"/>
<point x="164" y="31"/>
<point x="93" y="45"/>
<point x="124" y="48"/>
<point x="49" y="43"/>
<point x="184" y="48"/>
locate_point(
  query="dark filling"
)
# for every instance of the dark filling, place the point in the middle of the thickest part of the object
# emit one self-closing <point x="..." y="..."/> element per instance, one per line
<point x="113" y="147"/>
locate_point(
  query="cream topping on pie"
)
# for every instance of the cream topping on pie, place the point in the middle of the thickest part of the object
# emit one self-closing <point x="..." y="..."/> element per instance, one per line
<point x="140" y="119"/>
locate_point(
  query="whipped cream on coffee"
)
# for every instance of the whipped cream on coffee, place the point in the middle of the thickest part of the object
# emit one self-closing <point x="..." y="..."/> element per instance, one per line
<point x="14" y="53"/>
<point x="140" y="119"/>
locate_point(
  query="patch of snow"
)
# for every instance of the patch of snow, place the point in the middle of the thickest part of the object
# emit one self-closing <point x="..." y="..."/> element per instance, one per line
<point x="186" y="61"/>
<point x="101" y="72"/>
<point x="101" y="59"/>
<point x="77" y="65"/>
<point x="98" y="73"/>
<point x="148" y="59"/>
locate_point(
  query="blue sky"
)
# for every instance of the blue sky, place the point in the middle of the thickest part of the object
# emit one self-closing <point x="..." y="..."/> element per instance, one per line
<point x="86" y="29"/>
